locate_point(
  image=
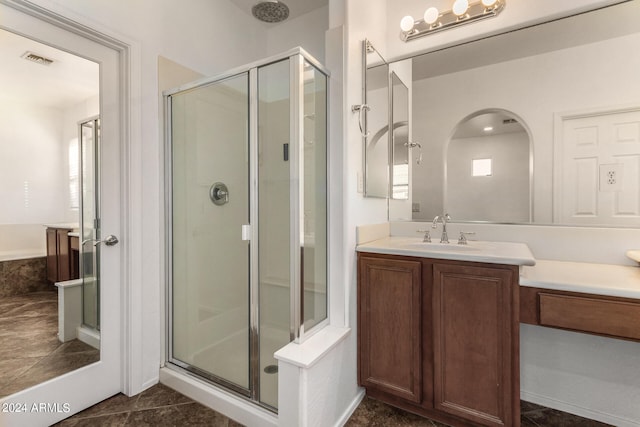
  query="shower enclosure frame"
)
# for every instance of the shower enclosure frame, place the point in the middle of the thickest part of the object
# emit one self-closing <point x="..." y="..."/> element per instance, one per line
<point x="95" y="226"/>
<point x="297" y="332"/>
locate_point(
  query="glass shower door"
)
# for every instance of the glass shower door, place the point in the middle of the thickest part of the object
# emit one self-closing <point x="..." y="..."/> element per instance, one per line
<point x="89" y="222"/>
<point x="209" y="207"/>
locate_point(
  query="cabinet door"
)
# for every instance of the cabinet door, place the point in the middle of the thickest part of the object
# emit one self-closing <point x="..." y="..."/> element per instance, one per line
<point x="52" y="255"/>
<point x="475" y="343"/>
<point x="64" y="250"/>
<point x="389" y="328"/>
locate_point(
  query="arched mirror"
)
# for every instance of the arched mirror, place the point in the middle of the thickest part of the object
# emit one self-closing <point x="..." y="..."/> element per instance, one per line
<point x="488" y="169"/>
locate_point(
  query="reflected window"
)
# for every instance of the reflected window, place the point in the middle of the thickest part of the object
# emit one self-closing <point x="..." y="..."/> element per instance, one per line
<point x="401" y="181"/>
<point x="481" y="167"/>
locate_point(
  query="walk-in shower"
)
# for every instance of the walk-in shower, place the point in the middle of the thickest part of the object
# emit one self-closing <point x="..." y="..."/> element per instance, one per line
<point x="247" y="220"/>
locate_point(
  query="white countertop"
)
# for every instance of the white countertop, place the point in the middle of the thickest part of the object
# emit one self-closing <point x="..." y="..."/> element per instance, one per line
<point x="476" y="251"/>
<point x="69" y="225"/>
<point x="601" y="279"/>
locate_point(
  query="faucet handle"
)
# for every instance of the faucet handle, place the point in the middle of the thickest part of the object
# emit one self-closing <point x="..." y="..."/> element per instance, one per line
<point x="462" y="240"/>
<point x="427" y="235"/>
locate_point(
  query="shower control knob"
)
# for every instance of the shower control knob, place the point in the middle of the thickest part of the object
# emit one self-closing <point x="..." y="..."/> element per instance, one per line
<point x="219" y="193"/>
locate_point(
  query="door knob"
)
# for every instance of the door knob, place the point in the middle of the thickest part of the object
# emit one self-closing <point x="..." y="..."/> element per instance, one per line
<point x="110" y="240"/>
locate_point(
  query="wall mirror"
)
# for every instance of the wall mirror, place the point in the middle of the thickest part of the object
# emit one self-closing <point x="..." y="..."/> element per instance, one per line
<point x="375" y="123"/>
<point x="570" y="87"/>
<point x="399" y="177"/>
<point x="49" y="160"/>
<point x="488" y="169"/>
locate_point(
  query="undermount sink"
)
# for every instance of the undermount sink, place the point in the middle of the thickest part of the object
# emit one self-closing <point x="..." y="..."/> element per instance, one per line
<point x="449" y="247"/>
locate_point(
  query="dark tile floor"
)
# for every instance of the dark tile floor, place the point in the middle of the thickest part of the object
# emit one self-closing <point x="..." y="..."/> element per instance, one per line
<point x="156" y="406"/>
<point x="372" y="413"/>
<point x="30" y="351"/>
<point x="162" y="406"/>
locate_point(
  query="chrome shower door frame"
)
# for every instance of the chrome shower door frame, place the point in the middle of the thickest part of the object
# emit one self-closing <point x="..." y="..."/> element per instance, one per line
<point x="296" y="59"/>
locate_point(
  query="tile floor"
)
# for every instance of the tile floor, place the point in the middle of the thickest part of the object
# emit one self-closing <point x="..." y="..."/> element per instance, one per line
<point x="162" y="406"/>
<point x="30" y="352"/>
<point x="156" y="406"/>
<point x="372" y="413"/>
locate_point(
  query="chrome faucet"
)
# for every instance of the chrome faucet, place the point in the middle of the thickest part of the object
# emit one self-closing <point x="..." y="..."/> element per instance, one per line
<point x="443" y="219"/>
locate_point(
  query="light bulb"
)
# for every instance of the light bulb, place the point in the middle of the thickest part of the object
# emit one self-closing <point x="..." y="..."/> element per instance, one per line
<point x="488" y="3"/>
<point x="460" y="7"/>
<point x="406" y="24"/>
<point x="431" y="15"/>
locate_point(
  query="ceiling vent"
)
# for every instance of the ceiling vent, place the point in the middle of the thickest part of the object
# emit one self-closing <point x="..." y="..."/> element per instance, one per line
<point x="509" y="121"/>
<point x="30" y="56"/>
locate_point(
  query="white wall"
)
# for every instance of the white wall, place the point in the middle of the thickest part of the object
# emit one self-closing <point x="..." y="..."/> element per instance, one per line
<point x="501" y="197"/>
<point x="306" y="31"/>
<point x="33" y="172"/>
<point x="532" y="94"/>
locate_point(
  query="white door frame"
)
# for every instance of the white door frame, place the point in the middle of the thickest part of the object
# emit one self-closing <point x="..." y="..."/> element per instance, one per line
<point x="88" y="385"/>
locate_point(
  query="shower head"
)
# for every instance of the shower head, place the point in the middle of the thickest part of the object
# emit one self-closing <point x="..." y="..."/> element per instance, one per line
<point x="270" y="11"/>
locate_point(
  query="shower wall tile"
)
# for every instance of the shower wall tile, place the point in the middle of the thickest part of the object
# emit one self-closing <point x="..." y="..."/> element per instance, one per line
<point x="23" y="276"/>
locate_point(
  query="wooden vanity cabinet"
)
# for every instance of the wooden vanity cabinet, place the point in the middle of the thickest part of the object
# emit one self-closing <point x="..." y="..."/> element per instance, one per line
<point x="440" y="338"/>
<point x="603" y="315"/>
<point x="61" y="264"/>
<point x="390" y="311"/>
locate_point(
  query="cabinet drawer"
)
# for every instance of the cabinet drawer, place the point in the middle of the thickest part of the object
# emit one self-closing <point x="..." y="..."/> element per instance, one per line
<point x="598" y="316"/>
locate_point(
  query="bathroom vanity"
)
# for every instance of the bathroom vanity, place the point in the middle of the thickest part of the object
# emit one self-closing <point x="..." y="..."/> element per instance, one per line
<point x="438" y="328"/>
<point x="62" y="252"/>
<point x="599" y="299"/>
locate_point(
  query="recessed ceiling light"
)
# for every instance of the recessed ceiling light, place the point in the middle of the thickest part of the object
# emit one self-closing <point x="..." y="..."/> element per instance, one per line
<point x="487" y="128"/>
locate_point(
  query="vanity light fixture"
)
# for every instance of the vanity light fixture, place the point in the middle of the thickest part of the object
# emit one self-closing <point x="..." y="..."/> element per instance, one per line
<point x="460" y="8"/>
<point x="462" y="12"/>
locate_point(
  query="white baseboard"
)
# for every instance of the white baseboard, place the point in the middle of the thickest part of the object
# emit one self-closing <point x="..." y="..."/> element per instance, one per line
<point x="219" y="400"/>
<point x="351" y="408"/>
<point x="577" y="410"/>
<point x="89" y="336"/>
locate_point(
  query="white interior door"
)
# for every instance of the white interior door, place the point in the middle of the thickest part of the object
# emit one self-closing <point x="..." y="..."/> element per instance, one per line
<point x="56" y="399"/>
<point x="599" y="169"/>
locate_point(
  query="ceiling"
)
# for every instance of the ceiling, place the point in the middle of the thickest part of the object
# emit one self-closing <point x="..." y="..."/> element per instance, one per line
<point x="296" y="7"/>
<point x="499" y="122"/>
<point x="68" y="81"/>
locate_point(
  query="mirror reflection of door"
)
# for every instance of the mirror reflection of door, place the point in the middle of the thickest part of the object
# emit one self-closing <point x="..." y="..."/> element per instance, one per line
<point x="488" y="169"/>
<point x="43" y="300"/>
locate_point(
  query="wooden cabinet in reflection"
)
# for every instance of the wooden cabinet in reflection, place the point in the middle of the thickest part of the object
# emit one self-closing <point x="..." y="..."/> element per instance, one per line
<point x="62" y="255"/>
